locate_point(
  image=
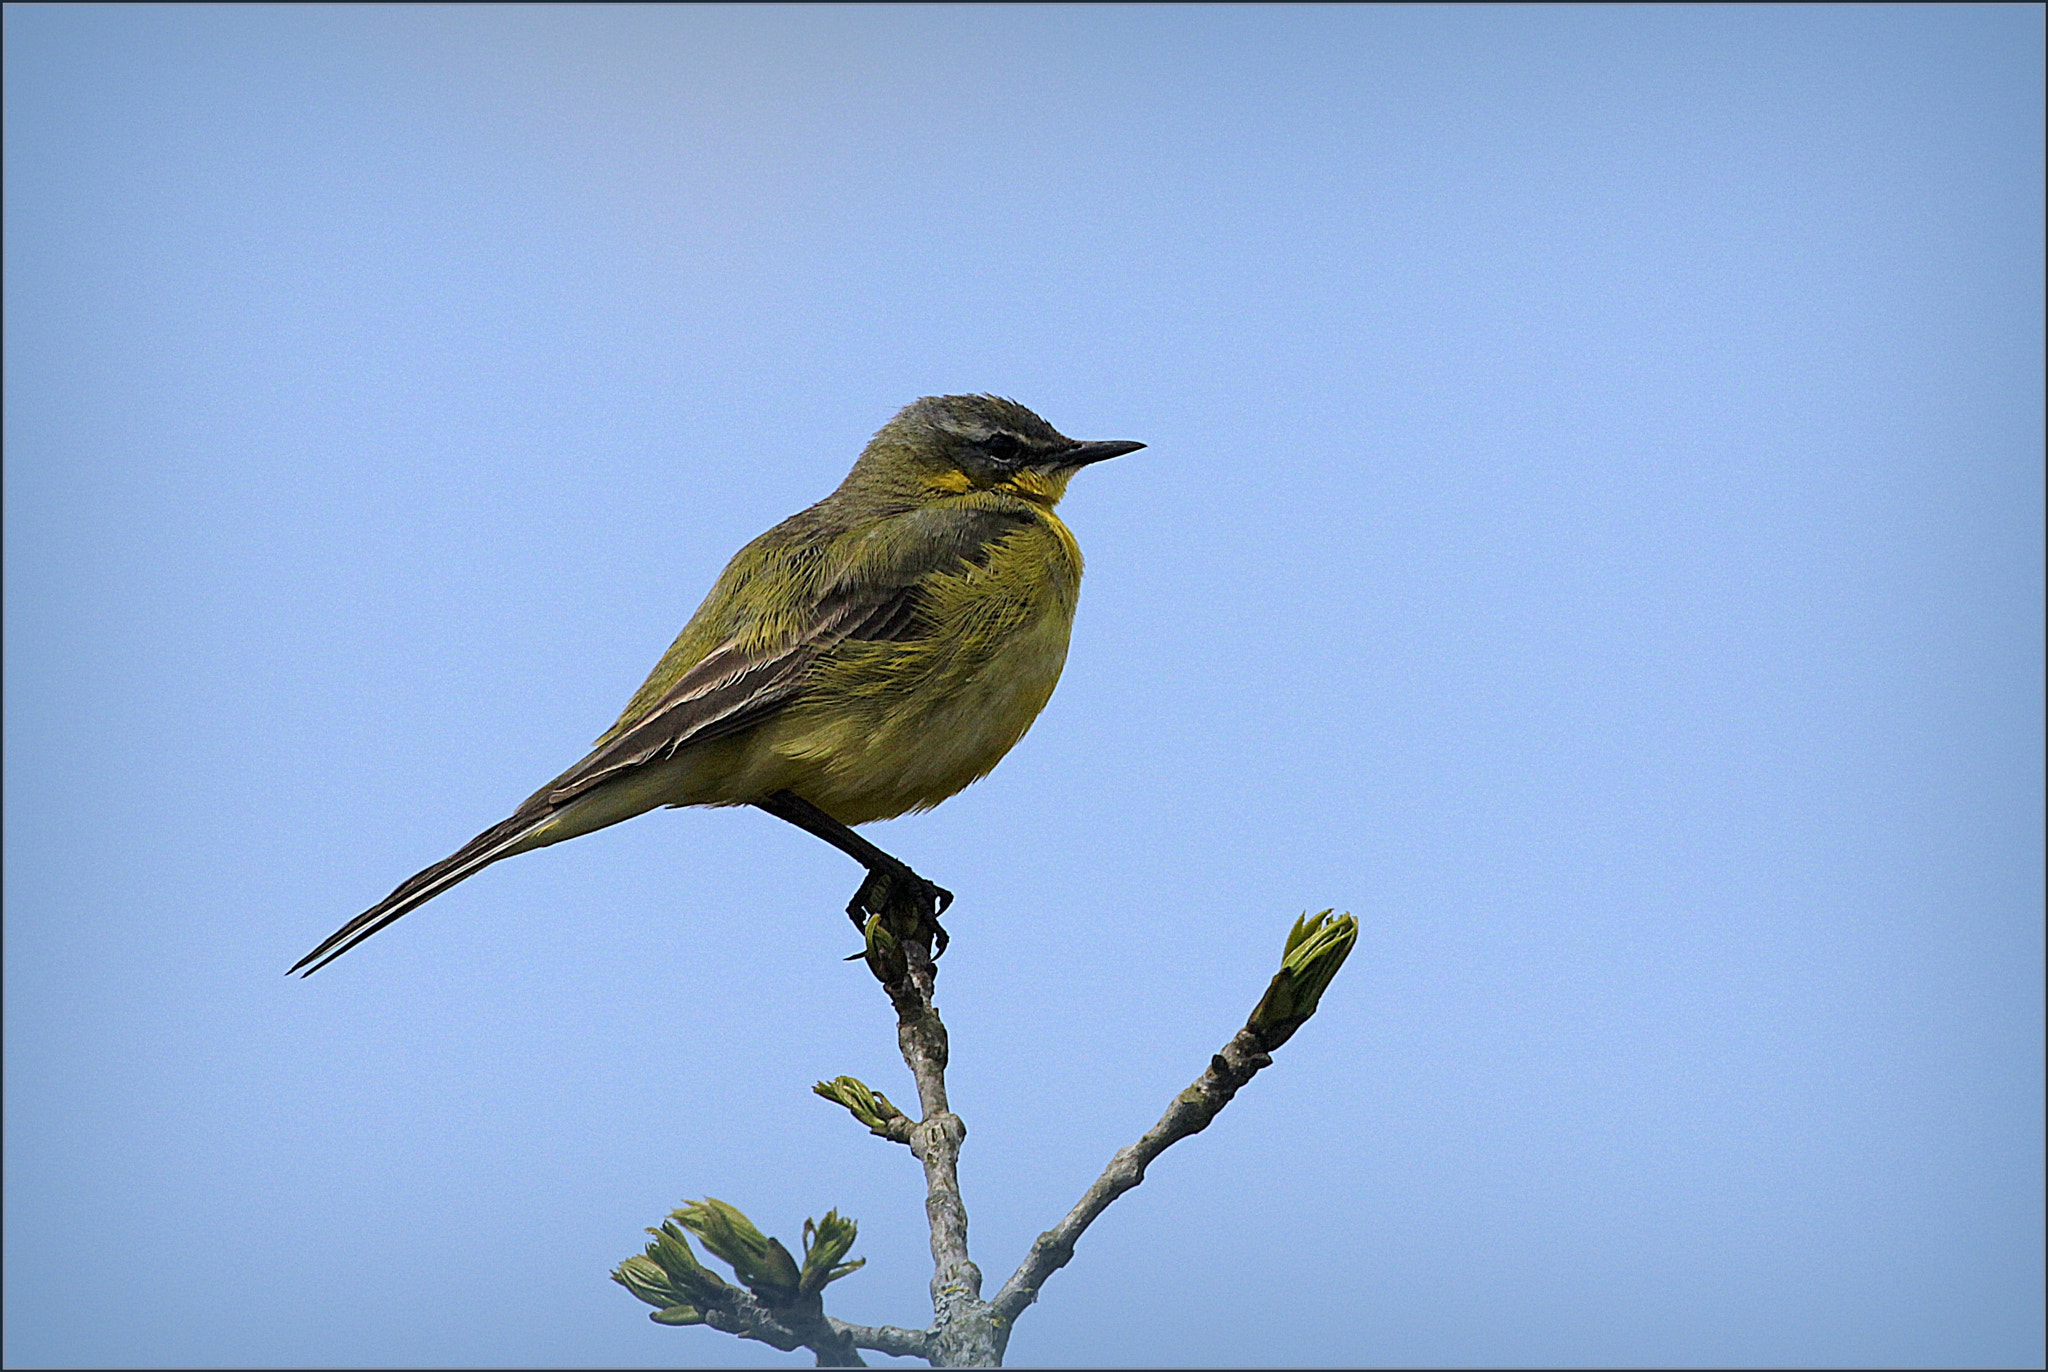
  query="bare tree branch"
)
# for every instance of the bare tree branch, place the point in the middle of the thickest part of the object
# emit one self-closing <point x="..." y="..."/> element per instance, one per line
<point x="804" y="1326"/>
<point x="1190" y="1113"/>
<point x="967" y="1331"/>
<point x="886" y="1338"/>
<point x="1316" y="948"/>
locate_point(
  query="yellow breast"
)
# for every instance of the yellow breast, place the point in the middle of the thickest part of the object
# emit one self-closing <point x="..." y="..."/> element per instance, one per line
<point x="887" y="728"/>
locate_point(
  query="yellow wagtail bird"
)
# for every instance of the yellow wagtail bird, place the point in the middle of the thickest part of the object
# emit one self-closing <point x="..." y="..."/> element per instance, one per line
<point x="869" y="656"/>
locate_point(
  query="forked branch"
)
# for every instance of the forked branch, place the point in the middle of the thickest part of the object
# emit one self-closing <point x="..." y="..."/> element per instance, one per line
<point x="782" y="1306"/>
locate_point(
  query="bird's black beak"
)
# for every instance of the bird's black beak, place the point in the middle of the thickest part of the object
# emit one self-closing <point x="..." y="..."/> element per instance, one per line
<point x="1081" y="454"/>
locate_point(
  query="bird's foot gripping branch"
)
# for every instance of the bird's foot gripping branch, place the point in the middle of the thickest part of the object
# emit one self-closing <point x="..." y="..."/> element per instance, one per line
<point x="780" y="1301"/>
<point x="891" y="892"/>
<point x="888" y="893"/>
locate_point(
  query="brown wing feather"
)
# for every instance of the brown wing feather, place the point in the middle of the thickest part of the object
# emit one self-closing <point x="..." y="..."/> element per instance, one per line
<point x="730" y="690"/>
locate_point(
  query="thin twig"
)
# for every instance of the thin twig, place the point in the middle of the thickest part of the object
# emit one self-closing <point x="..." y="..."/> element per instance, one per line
<point x="1190" y="1113"/>
<point x="968" y="1331"/>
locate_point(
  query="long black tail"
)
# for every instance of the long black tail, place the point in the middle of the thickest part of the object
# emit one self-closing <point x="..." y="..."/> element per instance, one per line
<point x="480" y="852"/>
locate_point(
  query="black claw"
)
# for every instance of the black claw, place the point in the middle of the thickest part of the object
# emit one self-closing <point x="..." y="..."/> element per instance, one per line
<point x="873" y="898"/>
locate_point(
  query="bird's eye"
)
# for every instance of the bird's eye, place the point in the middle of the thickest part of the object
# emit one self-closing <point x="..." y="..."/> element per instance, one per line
<point x="1001" y="446"/>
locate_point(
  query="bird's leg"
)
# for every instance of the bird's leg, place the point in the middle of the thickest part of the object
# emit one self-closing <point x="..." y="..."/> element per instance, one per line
<point x="888" y="880"/>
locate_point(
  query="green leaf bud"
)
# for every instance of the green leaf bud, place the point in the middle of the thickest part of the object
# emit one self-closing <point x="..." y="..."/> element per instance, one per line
<point x="668" y="1274"/>
<point x="867" y="1105"/>
<point x="1316" y="948"/>
<point x="761" y="1263"/>
<point x="677" y="1314"/>
<point x="826" y="1241"/>
<point x="645" y="1279"/>
<point x="884" y="954"/>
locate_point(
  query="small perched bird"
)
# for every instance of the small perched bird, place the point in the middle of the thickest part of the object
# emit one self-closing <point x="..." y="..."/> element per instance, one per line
<point x="866" y="657"/>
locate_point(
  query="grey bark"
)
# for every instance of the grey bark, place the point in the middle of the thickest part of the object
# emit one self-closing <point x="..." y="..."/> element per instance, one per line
<point x="966" y="1330"/>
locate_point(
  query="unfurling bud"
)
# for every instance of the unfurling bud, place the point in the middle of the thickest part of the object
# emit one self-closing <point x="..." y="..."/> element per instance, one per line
<point x="761" y="1263"/>
<point x="680" y="1289"/>
<point x="670" y="1279"/>
<point x="867" y="1105"/>
<point x="826" y="1241"/>
<point x="678" y="1314"/>
<point x="884" y="954"/>
<point x="645" y="1280"/>
<point x="1316" y="948"/>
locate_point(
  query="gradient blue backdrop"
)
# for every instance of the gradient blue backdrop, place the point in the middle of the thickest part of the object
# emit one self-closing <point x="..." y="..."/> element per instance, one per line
<point x="1591" y="529"/>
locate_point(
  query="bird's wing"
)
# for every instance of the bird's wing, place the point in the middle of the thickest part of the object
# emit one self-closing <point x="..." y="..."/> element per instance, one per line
<point x="732" y="688"/>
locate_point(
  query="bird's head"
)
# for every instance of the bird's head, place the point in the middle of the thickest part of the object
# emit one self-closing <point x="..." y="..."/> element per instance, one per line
<point x="956" y="444"/>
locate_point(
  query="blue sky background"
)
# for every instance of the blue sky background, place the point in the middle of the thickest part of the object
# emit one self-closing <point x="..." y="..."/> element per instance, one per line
<point x="1591" y="529"/>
